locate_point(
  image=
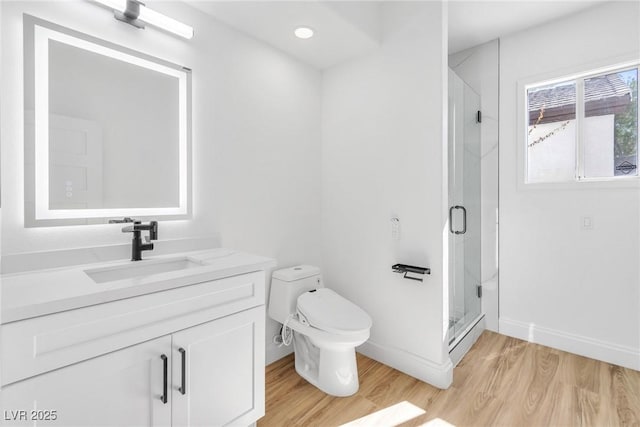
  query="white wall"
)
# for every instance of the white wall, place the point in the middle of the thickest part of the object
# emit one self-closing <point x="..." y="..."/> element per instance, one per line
<point x="560" y="285"/>
<point x="1" y="139"/>
<point x="256" y="136"/>
<point x="382" y="156"/>
<point x="479" y="68"/>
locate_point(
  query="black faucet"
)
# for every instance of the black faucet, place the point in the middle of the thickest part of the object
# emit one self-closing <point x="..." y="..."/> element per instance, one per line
<point x="136" y="243"/>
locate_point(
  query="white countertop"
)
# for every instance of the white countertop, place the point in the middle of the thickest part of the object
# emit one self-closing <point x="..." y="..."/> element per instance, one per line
<point x="37" y="293"/>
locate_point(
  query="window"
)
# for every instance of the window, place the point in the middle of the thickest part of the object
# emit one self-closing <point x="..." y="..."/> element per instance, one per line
<point x="583" y="129"/>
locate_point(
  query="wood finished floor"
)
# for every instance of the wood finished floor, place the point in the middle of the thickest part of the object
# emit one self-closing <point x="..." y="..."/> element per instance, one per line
<point x="502" y="381"/>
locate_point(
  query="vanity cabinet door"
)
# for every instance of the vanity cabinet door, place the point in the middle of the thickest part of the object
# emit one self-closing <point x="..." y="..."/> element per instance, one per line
<point x="122" y="388"/>
<point x="223" y="371"/>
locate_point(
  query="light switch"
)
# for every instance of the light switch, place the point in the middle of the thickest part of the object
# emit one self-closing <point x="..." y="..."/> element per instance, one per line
<point x="395" y="228"/>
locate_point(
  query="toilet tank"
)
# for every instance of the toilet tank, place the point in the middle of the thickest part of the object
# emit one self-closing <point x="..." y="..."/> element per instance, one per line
<point x="289" y="283"/>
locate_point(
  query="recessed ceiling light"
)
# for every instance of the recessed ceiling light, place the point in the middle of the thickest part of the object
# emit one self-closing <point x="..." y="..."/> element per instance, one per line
<point x="303" y="32"/>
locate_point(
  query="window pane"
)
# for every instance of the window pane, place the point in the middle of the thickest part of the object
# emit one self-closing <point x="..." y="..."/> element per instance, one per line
<point x="611" y="125"/>
<point x="551" y="140"/>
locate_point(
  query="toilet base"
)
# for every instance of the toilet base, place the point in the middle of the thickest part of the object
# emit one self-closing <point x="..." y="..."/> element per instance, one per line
<point x="333" y="371"/>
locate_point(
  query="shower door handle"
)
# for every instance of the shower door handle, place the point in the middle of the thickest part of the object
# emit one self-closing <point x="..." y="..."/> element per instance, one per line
<point x="464" y="219"/>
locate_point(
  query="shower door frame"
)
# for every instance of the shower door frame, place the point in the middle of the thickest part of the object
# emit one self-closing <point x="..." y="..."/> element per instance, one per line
<point x="465" y="308"/>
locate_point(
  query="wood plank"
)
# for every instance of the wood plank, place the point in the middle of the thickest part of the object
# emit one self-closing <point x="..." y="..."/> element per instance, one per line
<point x="502" y="381"/>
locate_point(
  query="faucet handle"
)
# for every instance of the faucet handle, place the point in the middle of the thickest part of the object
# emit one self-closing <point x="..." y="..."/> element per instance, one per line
<point x="153" y="230"/>
<point x="152" y="227"/>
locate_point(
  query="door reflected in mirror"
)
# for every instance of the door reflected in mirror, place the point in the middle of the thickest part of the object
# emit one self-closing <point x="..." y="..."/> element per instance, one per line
<point x="106" y="130"/>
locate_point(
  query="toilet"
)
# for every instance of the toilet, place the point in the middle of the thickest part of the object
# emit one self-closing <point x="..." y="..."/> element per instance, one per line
<point x="326" y="328"/>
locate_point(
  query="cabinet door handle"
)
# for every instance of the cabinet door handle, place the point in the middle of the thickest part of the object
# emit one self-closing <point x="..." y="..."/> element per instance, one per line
<point x="165" y="372"/>
<point x="183" y="386"/>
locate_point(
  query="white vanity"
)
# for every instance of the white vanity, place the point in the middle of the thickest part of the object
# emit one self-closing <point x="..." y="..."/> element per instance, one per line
<point x="170" y="340"/>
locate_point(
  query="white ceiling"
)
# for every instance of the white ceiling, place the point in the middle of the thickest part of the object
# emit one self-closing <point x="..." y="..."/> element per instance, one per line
<point x="346" y="29"/>
<point x="342" y="29"/>
<point x="475" y="22"/>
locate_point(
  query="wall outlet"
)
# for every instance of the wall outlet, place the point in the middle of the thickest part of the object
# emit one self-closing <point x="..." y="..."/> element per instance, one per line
<point x="586" y="223"/>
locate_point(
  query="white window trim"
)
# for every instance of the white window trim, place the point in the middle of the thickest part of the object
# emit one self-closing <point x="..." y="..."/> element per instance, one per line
<point x="578" y="72"/>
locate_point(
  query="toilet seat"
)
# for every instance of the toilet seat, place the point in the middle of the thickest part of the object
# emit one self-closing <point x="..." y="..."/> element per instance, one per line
<point x="326" y="310"/>
<point x="328" y="339"/>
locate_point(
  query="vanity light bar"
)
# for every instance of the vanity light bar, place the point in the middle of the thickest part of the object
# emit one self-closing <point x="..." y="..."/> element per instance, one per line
<point x="157" y="19"/>
<point x="150" y="17"/>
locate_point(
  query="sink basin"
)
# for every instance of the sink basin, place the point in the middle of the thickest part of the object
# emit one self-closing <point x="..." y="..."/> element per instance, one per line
<point x="140" y="269"/>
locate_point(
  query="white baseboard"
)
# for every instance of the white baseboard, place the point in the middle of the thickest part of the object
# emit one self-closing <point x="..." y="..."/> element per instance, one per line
<point x="438" y="375"/>
<point x="584" y="346"/>
<point x="274" y="353"/>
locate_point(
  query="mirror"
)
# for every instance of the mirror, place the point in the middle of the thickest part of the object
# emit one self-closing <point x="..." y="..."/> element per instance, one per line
<point x="107" y="130"/>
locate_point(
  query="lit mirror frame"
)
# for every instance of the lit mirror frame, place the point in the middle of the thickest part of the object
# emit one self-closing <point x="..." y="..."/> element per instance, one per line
<point x="44" y="31"/>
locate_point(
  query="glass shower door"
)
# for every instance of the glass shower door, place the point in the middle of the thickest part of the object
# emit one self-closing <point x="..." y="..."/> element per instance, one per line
<point x="464" y="203"/>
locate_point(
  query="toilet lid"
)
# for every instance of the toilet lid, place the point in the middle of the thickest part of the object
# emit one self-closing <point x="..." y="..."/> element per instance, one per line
<point x="328" y="311"/>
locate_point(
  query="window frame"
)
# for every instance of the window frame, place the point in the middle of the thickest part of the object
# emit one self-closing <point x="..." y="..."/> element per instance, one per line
<point x="579" y="180"/>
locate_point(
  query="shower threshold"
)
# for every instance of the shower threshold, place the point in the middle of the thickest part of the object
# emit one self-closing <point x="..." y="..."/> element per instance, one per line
<point x="463" y="342"/>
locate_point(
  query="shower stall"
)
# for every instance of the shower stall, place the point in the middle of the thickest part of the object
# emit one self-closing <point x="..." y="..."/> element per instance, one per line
<point x="464" y="153"/>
